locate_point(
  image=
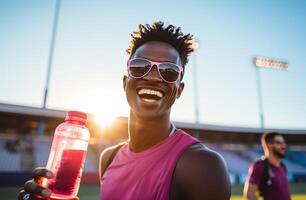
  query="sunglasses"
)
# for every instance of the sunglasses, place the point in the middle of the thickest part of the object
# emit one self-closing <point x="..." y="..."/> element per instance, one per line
<point x="140" y="67"/>
<point x="279" y="143"/>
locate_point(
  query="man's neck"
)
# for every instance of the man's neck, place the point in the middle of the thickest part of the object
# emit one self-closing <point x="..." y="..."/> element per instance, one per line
<point x="274" y="160"/>
<point x="145" y="133"/>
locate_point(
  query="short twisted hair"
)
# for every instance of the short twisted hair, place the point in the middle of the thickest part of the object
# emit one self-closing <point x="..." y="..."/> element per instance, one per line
<point x="268" y="137"/>
<point x="169" y="34"/>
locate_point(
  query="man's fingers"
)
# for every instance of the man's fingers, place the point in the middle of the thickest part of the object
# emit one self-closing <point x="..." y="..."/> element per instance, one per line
<point x="32" y="189"/>
<point x="75" y="198"/>
<point x="26" y="196"/>
<point x="36" y="190"/>
<point x="42" y="172"/>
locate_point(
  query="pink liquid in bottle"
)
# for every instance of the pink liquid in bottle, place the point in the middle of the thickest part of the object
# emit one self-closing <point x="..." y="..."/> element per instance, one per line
<point x="67" y="156"/>
<point x="67" y="178"/>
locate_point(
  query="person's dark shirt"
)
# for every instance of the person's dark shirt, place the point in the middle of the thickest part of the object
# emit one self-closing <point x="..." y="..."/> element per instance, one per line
<point x="278" y="189"/>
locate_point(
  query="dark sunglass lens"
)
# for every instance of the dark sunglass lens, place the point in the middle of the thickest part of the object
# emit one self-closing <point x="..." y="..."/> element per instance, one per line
<point x="169" y="72"/>
<point x="139" y="67"/>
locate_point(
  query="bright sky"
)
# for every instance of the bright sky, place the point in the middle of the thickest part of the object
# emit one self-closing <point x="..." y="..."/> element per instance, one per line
<point x="90" y="59"/>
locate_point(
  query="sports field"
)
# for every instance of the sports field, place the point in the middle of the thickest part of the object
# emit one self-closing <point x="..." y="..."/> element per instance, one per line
<point x="293" y="197"/>
<point x="92" y="192"/>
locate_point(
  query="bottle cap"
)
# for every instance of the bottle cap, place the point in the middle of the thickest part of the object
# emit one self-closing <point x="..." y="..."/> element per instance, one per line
<point x="76" y="116"/>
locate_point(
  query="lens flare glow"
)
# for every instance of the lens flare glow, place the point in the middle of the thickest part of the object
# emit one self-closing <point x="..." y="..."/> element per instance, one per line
<point x="104" y="120"/>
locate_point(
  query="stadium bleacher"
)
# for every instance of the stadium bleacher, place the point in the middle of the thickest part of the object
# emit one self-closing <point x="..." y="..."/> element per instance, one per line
<point x="9" y="161"/>
<point x="238" y="161"/>
<point x="238" y="145"/>
<point x="42" y="148"/>
<point x="298" y="157"/>
<point x="235" y="163"/>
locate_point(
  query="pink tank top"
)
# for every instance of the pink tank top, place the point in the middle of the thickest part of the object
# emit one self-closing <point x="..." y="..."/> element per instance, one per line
<point x="146" y="175"/>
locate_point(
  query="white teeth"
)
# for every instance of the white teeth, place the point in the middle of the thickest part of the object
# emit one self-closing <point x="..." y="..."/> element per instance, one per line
<point x="152" y="92"/>
<point x="149" y="100"/>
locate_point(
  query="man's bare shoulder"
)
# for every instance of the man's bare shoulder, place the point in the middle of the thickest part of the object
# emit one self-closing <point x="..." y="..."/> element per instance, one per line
<point x="200" y="157"/>
<point x="107" y="152"/>
<point x="202" y="153"/>
<point x="105" y="156"/>
<point x="202" y="172"/>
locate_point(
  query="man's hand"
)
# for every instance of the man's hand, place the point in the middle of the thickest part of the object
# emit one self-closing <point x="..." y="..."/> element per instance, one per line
<point x="33" y="190"/>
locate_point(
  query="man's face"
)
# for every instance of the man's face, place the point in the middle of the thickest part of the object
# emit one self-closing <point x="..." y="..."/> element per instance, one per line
<point x="150" y="96"/>
<point x="278" y="146"/>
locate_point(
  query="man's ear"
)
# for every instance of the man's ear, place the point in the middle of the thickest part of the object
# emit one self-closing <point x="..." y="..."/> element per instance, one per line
<point x="124" y="82"/>
<point x="180" y="89"/>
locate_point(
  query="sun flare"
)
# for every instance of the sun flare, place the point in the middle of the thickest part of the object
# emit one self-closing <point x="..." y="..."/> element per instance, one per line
<point x="104" y="110"/>
<point x="104" y="120"/>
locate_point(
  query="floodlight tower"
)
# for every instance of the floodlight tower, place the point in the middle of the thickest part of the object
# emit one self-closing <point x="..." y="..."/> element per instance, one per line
<point x="195" y="46"/>
<point x="41" y="128"/>
<point x="270" y="63"/>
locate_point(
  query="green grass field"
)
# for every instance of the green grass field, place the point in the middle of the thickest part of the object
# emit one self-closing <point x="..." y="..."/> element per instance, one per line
<point x="293" y="197"/>
<point x="298" y="192"/>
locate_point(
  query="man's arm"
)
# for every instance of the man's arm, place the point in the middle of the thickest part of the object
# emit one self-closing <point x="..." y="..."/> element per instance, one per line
<point x="250" y="190"/>
<point x="200" y="174"/>
<point x="251" y="186"/>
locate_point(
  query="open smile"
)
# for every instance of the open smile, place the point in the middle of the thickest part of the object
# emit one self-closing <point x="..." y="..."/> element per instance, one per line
<point x="150" y="95"/>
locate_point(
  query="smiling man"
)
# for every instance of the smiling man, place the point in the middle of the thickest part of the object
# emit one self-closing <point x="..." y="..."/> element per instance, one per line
<point x="159" y="161"/>
<point x="268" y="176"/>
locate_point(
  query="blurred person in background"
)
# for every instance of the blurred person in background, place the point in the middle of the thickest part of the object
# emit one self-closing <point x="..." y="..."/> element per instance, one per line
<point x="268" y="176"/>
<point x="159" y="161"/>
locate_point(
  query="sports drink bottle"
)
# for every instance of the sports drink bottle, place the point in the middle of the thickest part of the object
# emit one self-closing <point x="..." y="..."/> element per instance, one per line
<point x="67" y="156"/>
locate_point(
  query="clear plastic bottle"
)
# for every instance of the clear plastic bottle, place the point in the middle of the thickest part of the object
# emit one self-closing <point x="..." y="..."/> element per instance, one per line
<point x="67" y="156"/>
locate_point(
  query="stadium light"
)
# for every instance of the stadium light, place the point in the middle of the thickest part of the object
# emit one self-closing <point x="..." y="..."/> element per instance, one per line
<point x="51" y="51"/>
<point x="260" y="105"/>
<point x="41" y="128"/>
<point x="270" y="63"/>
<point x="264" y="62"/>
<point x="195" y="46"/>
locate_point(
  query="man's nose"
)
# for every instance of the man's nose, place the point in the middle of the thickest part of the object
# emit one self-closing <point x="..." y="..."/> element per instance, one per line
<point x="153" y="75"/>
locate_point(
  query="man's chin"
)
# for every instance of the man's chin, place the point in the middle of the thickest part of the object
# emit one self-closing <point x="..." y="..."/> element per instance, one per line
<point x="147" y="115"/>
<point x="280" y="155"/>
